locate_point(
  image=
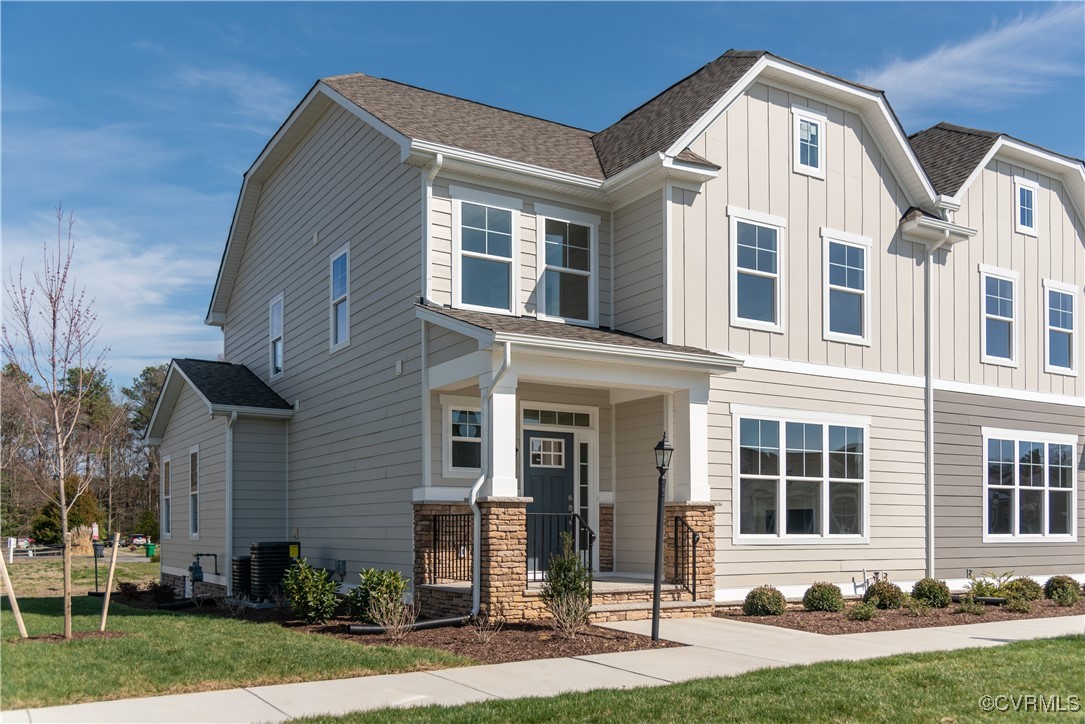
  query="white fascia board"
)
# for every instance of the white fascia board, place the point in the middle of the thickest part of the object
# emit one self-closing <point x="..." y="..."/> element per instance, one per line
<point x="452" y="154"/>
<point x="709" y="117"/>
<point x="392" y="134"/>
<point x="243" y="411"/>
<point x="170" y="391"/>
<point x="644" y="356"/>
<point x="484" y="336"/>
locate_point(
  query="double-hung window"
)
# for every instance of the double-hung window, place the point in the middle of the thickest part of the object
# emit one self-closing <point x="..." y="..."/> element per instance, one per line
<point x="1060" y="334"/>
<point x="485" y="240"/>
<point x="567" y="283"/>
<point x="1025" y="193"/>
<point x="801" y="476"/>
<point x="757" y="283"/>
<point x="998" y="333"/>
<point x="808" y="141"/>
<point x="275" y="336"/>
<point x="1028" y="486"/>
<point x="846" y="298"/>
<point x="167" y="503"/>
<point x="339" y="298"/>
<point x="462" y="434"/>
<point x="194" y="493"/>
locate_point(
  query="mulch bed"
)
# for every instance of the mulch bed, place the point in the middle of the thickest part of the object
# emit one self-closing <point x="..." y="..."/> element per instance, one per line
<point x="76" y="636"/>
<point x="823" y="622"/>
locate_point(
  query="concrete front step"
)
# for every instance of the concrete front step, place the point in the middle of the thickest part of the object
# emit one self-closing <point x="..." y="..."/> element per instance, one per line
<point x="639" y="611"/>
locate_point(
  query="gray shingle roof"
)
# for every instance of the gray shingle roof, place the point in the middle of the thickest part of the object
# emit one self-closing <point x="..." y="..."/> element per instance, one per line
<point x="949" y="154"/>
<point x="232" y="385"/>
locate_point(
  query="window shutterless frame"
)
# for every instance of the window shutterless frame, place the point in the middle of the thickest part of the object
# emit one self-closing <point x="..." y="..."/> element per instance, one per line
<point x="194" y="493"/>
<point x="167" y="499"/>
<point x="846" y="276"/>
<point x="485" y="250"/>
<point x="339" y="298"/>
<point x="567" y="271"/>
<point x="1060" y="327"/>
<point x="1025" y="196"/>
<point x="808" y="141"/>
<point x="757" y="258"/>
<point x="275" y="337"/>
<point x="458" y="426"/>
<point x="998" y="316"/>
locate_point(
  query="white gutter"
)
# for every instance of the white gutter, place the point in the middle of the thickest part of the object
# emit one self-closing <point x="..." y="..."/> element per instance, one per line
<point x="476" y="563"/>
<point x="230" y="503"/>
<point x="427" y="211"/>
<point x="928" y="412"/>
<point x="692" y="359"/>
<point x="427" y="457"/>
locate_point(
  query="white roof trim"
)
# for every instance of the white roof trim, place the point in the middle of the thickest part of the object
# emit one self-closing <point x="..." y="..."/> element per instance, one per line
<point x="170" y="391"/>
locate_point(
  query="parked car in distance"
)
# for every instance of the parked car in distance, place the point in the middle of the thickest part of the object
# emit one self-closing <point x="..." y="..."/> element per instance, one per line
<point x="25" y="542"/>
<point x="138" y="539"/>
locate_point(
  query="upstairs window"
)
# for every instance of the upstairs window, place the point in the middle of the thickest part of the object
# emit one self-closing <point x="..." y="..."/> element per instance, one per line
<point x="339" y="311"/>
<point x="1025" y="193"/>
<point x="846" y="302"/>
<point x="567" y="286"/>
<point x="167" y="502"/>
<point x="194" y="494"/>
<point x="275" y="335"/>
<point x="485" y="240"/>
<point x="999" y="331"/>
<point x="756" y="263"/>
<point x="808" y="147"/>
<point x="1059" y="327"/>
<point x="1028" y="486"/>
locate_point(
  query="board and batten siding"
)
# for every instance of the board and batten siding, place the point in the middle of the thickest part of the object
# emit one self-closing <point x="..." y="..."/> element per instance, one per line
<point x="1056" y="253"/>
<point x="752" y="142"/>
<point x="442" y="265"/>
<point x="897" y="483"/>
<point x="190" y="426"/>
<point x="959" y="420"/>
<point x="637" y="426"/>
<point x="639" y="263"/>
<point x="357" y="430"/>
<point x="260" y="483"/>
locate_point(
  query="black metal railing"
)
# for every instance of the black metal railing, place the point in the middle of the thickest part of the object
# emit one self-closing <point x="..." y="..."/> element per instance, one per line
<point x="685" y="555"/>
<point x="544" y="535"/>
<point x="450" y="559"/>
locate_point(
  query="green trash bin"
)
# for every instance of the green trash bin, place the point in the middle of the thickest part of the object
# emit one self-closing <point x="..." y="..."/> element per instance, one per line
<point x="151" y="548"/>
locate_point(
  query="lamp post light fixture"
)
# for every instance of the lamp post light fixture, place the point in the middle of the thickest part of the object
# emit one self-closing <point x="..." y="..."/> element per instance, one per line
<point x="663" y="451"/>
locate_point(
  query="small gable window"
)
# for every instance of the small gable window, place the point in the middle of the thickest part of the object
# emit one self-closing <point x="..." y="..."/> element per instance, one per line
<point x="339" y="312"/>
<point x="1025" y="193"/>
<point x="275" y="334"/>
<point x="808" y="146"/>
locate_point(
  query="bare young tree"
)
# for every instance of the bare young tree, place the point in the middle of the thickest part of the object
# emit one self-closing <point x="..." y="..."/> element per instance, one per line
<point x="51" y="334"/>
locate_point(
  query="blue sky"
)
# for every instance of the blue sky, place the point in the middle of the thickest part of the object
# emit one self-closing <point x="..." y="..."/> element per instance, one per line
<point x="141" y="117"/>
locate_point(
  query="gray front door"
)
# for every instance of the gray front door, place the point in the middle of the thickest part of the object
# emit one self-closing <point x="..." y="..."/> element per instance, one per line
<point x="548" y="481"/>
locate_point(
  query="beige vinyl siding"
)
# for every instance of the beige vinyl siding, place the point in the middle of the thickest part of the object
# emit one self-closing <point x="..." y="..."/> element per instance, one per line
<point x="189" y="426"/>
<point x="958" y="449"/>
<point x="637" y="428"/>
<point x="896" y="463"/>
<point x="860" y="195"/>
<point x="442" y="265"/>
<point x="1056" y="253"/>
<point x="260" y="483"/>
<point x="639" y="282"/>
<point x="444" y="345"/>
<point x="355" y="437"/>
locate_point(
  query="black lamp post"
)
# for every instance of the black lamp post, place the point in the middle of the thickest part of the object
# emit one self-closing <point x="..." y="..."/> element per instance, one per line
<point x="663" y="451"/>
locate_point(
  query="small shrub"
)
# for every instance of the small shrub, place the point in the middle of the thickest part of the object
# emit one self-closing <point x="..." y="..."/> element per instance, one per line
<point x="933" y="592"/>
<point x="277" y="594"/>
<point x="567" y="591"/>
<point x="156" y="558"/>
<point x="1058" y="582"/>
<point x="568" y="614"/>
<point x="1065" y="596"/>
<point x="1018" y="604"/>
<point x="916" y="606"/>
<point x="989" y="584"/>
<point x="969" y="604"/>
<point x="823" y="597"/>
<point x="1023" y="588"/>
<point x="128" y="589"/>
<point x="312" y="592"/>
<point x="487" y="625"/>
<point x="764" y="601"/>
<point x="374" y="583"/>
<point x="884" y="594"/>
<point x="234" y="607"/>
<point x="861" y="612"/>
<point x="391" y="612"/>
<point x="161" y="592"/>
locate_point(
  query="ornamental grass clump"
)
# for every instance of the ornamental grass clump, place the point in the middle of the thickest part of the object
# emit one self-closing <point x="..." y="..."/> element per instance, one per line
<point x="933" y="592"/>
<point x="884" y="595"/>
<point x="823" y="597"/>
<point x="311" y="591"/>
<point x="1024" y="588"/>
<point x="764" y="601"/>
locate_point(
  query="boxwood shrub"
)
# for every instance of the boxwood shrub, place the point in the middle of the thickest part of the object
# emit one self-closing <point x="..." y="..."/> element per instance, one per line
<point x="884" y="594"/>
<point x="764" y="601"/>
<point x="823" y="597"/>
<point x="933" y="592"/>
<point x="1055" y="583"/>
<point x="1024" y="588"/>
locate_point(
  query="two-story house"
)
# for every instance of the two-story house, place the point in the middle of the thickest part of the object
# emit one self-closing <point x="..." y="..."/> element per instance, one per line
<point x="453" y="332"/>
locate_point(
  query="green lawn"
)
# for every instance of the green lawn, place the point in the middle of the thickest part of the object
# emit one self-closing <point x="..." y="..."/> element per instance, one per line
<point x="916" y="687"/>
<point x="165" y="652"/>
<point x="40" y="577"/>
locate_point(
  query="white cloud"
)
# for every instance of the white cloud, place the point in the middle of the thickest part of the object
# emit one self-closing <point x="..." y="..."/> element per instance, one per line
<point x="996" y="69"/>
<point x="237" y="92"/>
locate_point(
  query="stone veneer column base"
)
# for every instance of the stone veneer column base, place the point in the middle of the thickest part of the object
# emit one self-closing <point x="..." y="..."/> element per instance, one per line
<point x="504" y="559"/>
<point x="702" y="518"/>
<point x="443" y="598"/>
<point x="606" y="538"/>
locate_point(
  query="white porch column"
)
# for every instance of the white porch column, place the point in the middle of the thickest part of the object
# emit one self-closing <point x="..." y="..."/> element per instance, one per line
<point x="499" y="437"/>
<point x="690" y="481"/>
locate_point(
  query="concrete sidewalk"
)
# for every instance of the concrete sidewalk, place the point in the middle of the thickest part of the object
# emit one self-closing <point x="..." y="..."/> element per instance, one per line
<point x="716" y="647"/>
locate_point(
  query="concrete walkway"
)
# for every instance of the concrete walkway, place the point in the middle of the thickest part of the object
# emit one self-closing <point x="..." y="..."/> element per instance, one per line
<point x="716" y="647"/>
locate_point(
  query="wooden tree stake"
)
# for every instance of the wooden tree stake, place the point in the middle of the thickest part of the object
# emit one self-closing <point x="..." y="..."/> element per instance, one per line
<point x="109" y="580"/>
<point x="11" y="597"/>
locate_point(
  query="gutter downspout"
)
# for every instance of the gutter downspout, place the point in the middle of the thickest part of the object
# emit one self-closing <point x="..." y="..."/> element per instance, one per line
<point x="230" y="501"/>
<point x="928" y="412"/>
<point x="427" y="211"/>
<point x="476" y="563"/>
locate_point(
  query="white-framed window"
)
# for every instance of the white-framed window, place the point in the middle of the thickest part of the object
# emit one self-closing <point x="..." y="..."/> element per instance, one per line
<point x="547" y="452"/>
<point x="801" y="476"/>
<point x="757" y="264"/>
<point x="167" y="502"/>
<point x="845" y="296"/>
<point x="462" y="436"/>
<point x="194" y="493"/>
<point x="567" y="285"/>
<point x="998" y="331"/>
<point x="808" y="141"/>
<point x="1028" y="486"/>
<point x="339" y="298"/>
<point x="1060" y="327"/>
<point x="275" y="336"/>
<point x="485" y="241"/>
<point x="1025" y="193"/>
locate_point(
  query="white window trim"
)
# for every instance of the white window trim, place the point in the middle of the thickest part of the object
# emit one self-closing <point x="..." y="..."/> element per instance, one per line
<point x="592" y="221"/>
<point x="194" y="450"/>
<point x="332" y="299"/>
<point x="166" y="524"/>
<point x="799" y="114"/>
<point x="828" y="237"/>
<point x="1008" y="275"/>
<point x="783" y="416"/>
<point x="736" y="215"/>
<point x="1050" y="285"/>
<point x="1029" y="436"/>
<point x="278" y="299"/>
<point x="448" y="404"/>
<point x="1020" y="182"/>
<point x="459" y="194"/>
